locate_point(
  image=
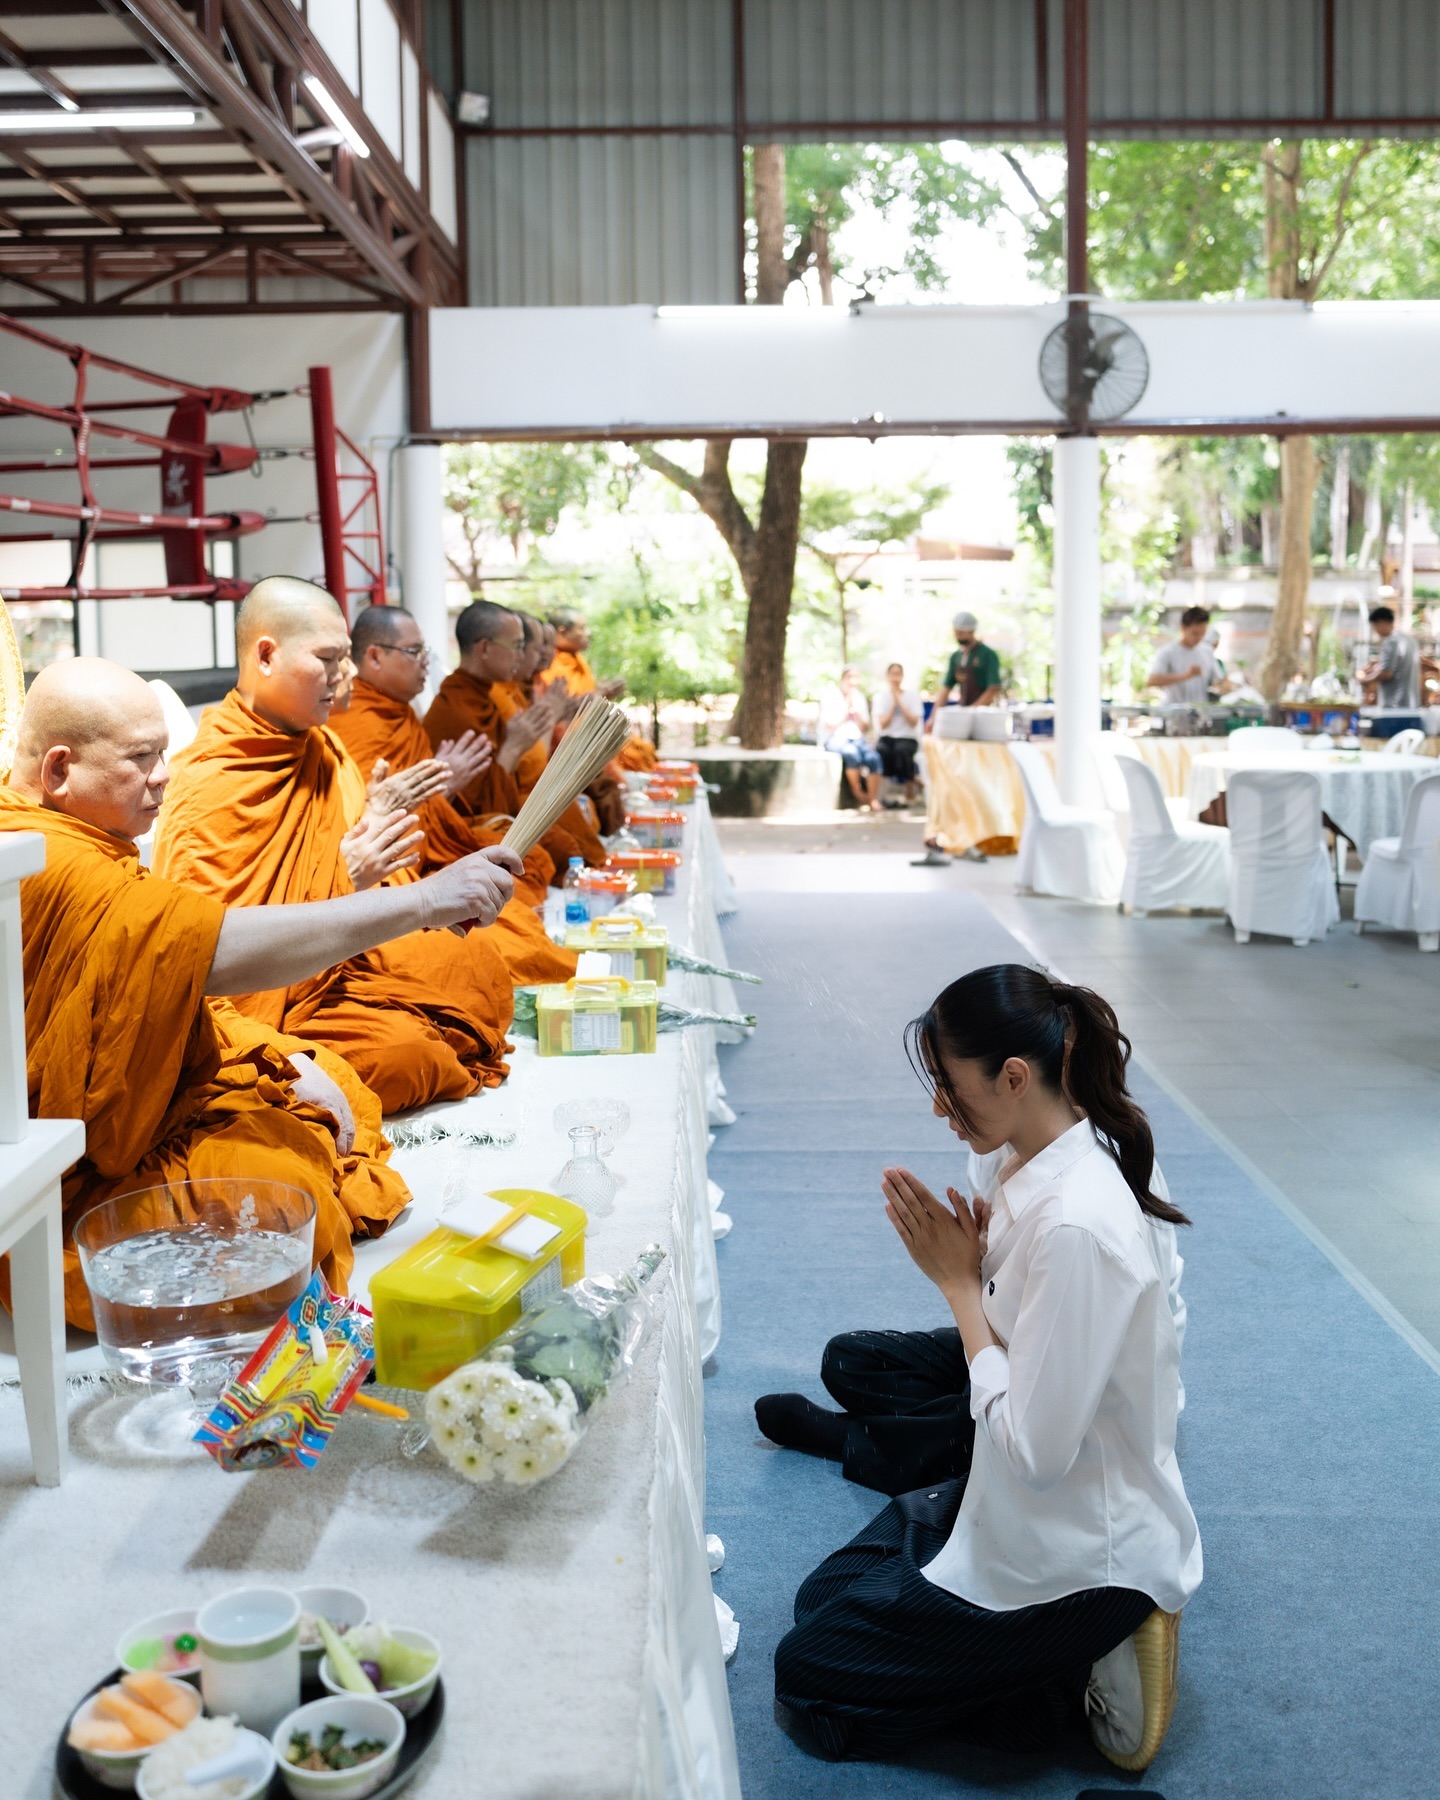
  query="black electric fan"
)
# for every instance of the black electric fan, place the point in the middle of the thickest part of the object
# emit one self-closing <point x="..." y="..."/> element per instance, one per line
<point x="1093" y="368"/>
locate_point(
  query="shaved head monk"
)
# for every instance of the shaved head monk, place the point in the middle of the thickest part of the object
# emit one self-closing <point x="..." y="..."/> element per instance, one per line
<point x="492" y="647"/>
<point x="124" y="971"/>
<point x="379" y="725"/>
<point x="257" y="815"/>
<point x="565" y="661"/>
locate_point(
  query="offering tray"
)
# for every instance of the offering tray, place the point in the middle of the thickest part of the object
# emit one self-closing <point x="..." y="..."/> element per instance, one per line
<point x="422" y="1734"/>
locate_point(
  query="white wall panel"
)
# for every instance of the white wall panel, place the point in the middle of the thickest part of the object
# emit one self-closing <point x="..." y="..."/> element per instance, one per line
<point x="685" y="370"/>
<point x="337" y="25"/>
<point x="414" y="159"/>
<point x="443" y="204"/>
<point x="380" y="71"/>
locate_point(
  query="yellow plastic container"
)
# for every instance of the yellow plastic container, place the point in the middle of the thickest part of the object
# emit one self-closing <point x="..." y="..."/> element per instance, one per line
<point x="636" y="950"/>
<point x="604" y="1017"/>
<point x="440" y="1303"/>
<point x="653" y="871"/>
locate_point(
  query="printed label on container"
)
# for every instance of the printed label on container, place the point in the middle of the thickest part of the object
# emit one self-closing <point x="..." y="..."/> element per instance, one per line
<point x="622" y="963"/>
<point x="542" y="1287"/>
<point x="595" y="1031"/>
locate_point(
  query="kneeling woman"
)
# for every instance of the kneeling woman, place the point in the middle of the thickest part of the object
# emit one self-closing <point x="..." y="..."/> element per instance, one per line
<point x="991" y="1606"/>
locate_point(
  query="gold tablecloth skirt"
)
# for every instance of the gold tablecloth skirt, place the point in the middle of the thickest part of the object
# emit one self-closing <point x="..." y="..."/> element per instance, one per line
<point x="973" y="796"/>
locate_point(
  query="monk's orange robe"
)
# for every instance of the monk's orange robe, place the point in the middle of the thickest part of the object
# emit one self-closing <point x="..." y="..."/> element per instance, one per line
<point x="638" y="753"/>
<point x="373" y="726"/>
<point x="574" y="670"/>
<point x="254" y="816"/>
<point x="466" y="703"/>
<point x="172" y="1087"/>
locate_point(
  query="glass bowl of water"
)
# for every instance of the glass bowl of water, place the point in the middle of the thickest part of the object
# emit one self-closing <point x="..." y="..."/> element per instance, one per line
<point x="187" y="1278"/>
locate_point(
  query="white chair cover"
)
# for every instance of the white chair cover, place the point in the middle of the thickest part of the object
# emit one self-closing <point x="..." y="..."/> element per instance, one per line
<point x="1400" y="883"/>
<point x="1064" y="850"/>
<point x="1257" y="743"/>
<point x="1169" y="864"/>
<point x="1403" y="742"/>
<point x="1281" y="881"/>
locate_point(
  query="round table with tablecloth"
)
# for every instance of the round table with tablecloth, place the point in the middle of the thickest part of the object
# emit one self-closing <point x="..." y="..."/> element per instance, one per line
<point x="1363" y="792"/>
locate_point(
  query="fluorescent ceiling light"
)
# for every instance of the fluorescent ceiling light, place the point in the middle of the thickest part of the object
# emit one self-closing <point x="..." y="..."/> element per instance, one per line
<point x="132" y="118"/>
<point x="324" y="100"/>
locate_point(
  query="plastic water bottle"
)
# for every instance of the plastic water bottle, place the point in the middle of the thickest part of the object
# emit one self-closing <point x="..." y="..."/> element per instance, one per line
<point x="577" y="912"/>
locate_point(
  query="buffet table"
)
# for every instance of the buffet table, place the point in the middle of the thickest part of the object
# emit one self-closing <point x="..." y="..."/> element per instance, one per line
<point x="576" y="1617"/>
<point x="973" y="796"/>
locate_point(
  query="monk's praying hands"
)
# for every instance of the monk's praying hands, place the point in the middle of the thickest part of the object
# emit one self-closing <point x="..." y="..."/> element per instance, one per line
<point x="375" y="847"/>
<point x="466" y="757"/>
<point x="406" y="789"/>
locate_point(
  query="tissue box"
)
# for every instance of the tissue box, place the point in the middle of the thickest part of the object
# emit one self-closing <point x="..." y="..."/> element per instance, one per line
<point x="634" y="948"/>
<point x="605" y="1017"/>
<point x="655" y="829"/>
<point x="442" y="1301"/>
<point x="653" y="871"/>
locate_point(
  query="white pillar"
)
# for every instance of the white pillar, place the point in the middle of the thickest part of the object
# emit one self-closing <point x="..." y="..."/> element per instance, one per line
<point x="422" y="548"/>
<point x="1077" y="618"/>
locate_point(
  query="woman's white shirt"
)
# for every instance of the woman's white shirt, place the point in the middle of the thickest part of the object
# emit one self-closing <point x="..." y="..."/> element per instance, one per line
<point x="983" y="1178"/>
<point x="890" y="720"/>
<point x="1074" y="1482"/>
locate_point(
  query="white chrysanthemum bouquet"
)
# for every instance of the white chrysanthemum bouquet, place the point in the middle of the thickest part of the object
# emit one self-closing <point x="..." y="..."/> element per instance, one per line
<point x="521" y="1409"/>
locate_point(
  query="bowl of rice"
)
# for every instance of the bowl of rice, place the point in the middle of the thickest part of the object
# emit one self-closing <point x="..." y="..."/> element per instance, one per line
<point x="162" y="1775"/>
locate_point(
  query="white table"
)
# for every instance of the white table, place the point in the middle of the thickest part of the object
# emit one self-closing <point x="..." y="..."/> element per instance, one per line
<point x="1363" y="792"/>
<point x="576" y="1617"/>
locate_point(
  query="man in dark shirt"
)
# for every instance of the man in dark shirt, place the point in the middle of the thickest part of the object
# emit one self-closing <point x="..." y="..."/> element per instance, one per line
<point x="973" y="669"/>
<point x="973" y="675"/>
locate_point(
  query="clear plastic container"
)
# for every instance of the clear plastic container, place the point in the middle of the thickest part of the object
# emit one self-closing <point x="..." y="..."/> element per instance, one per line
<point x="604" y="1017"/>
<point x="653" y="871"/>
<point x="635" y="948"/>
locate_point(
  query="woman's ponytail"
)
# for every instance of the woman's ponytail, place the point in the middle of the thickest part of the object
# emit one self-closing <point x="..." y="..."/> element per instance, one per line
<point x="1072" y="1038"/>
<point x="1097" y="1051"/>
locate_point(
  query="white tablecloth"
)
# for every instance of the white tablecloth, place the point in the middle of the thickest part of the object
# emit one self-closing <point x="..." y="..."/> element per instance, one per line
<point x="1365" y="794"/>
<point x="576" y="1617"/>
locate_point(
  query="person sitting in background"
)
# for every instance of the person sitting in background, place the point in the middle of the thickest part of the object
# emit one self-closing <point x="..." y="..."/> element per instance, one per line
<point x="972" y="674"/>
<point x="572" y="640"/>
<point x="899" y="713"/>
<point x="1395" y="667"/>
<point x="1187" y="670"/>
<point x="844" y="728"/>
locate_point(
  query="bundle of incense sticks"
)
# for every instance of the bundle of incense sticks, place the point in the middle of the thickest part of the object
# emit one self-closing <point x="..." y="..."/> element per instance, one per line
<point x="596" y="733"/>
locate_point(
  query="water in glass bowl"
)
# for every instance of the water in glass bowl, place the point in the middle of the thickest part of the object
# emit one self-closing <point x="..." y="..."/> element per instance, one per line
<point x="172" y="1305"/>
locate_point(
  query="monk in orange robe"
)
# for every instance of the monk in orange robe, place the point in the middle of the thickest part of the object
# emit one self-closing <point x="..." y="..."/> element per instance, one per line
<point x="492" y="643"/>
<point x="258" y="816"/>
<point x="567" y="662"/>
<point x="124" y="1025"/>
<point x="578" y="821"/>
<point x="378" y="725"/>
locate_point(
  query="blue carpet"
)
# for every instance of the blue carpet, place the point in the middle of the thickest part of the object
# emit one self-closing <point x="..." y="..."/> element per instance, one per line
<point x="1309" y="1444"/>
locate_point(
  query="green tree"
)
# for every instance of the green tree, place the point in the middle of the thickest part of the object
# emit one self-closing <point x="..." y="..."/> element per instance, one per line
<point x="845" y="532"/>
<point x="515" y="494"/>
<point x="1290" y="219"/>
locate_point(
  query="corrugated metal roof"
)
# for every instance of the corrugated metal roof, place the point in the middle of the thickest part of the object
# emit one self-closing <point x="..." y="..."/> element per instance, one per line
<point x="602" y="221"/>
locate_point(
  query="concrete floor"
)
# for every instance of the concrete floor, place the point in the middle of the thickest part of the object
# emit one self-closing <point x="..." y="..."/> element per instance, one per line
<point x="1320" y="1066"/>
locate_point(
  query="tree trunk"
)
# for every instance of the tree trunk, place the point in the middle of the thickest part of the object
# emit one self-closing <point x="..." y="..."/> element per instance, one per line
<point x="1287" y="627"/>
<point x="772" y="273"/>
<point x="760" y="716"/>
<point x="1340" y="507"/>
<point x="1281" y="167"/>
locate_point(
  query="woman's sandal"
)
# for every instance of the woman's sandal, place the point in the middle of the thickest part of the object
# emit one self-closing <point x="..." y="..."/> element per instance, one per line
<point x="1131" y="1696"/>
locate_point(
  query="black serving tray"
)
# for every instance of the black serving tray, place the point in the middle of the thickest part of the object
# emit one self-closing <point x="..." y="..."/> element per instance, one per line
<point x="422" y="1733"/>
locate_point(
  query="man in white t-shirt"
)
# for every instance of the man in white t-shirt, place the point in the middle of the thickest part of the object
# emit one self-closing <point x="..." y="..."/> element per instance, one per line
<point x="1187" y="670"/>
<point x="898" y="713"/>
